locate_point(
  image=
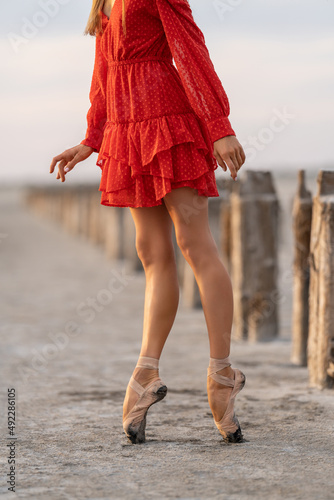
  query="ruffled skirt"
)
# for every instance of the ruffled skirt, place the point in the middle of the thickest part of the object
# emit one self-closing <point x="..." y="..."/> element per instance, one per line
<point x="143" y="161"/>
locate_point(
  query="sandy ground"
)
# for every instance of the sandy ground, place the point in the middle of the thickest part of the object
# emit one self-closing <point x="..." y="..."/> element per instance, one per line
<point x="70" y="387"/>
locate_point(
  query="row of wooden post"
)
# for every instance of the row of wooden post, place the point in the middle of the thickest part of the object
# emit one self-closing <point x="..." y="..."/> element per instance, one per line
<point x="244" y="221"/>
<point x="313" y="304"/>
<point x="78" y="209"/>
<point x="244" y="224"/>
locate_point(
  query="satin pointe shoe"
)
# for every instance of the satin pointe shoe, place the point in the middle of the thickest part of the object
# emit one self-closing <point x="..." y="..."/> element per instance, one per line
<point x="134" y="423"/>
<point x="228" y="425"/>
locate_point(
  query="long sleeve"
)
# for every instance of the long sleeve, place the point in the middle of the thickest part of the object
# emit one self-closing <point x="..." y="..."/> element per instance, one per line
<point x="97" y="114"/>
<point x="199" y="78"/>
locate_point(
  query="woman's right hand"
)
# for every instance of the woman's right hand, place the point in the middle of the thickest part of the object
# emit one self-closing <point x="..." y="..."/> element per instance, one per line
<point x="69" y="158"/>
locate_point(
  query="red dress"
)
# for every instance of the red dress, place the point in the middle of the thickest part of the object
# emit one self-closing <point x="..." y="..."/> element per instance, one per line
<point x="154" y="124"/>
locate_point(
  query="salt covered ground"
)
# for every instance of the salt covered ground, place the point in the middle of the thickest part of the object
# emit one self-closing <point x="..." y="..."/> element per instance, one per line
<point x="70" y="386"/>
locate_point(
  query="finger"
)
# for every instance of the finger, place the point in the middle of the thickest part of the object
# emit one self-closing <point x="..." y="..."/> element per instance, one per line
<point x="61" y="168"/>
<point x="239" y="160"/>
<point x="54" y="162"/>
<point x="56" y="159"/>
<point x="221" y="162"/>
<point x="71" y="164"/>
<point x="242" y="154"/>
<point x="232" y="167"/>
<point x="223" y="165"/>
<point x="61" y="165"/>
<point x="233" y="164"/>
<point x="61" y="171"/>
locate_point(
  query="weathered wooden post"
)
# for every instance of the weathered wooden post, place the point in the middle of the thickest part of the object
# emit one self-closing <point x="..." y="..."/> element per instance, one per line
<point x="53" y="198"/>
<point x="254" y="235"/>
<point x="85" y="194"/>
<point x="225" y="230"/>
<point x="95" y="214"/>
<point x="320" y="347"/>
<point x="225" y="187"/>
<point x="37" y="200"/>
<point x="69" y="209"/>
<point x="113" y="222"/>
<point x="302" y="218"/>
<point x="74" y="222"/>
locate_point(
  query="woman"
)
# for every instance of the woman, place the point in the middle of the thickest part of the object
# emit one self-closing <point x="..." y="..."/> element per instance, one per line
<point x="160" y="131"/>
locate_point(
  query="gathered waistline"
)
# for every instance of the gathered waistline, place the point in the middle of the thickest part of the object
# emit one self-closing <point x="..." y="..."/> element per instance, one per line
<point x="150" y="118"/>
<point x="121" y="62"/>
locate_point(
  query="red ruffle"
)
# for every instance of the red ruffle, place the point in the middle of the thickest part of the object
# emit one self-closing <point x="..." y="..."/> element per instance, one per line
<point x="143" y="161"/>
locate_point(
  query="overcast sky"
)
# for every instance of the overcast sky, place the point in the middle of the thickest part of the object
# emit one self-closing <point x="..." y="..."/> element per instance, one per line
<point x="275" y="60"/>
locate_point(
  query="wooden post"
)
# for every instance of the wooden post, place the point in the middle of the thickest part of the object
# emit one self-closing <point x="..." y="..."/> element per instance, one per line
<point x="225" y="230"/>
<point x="254" y="226"/>
<point x="52" y="199"/>
<point x="225" y="187"/>
<point x="302" y="218"/>
<point x="320" y="348"/>
<point x="113" y="221"/>
<point x="70" y="209"/>
<point x="95" y="215"/>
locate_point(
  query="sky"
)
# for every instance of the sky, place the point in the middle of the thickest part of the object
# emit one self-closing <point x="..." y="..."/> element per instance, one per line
<point x="275" y="60"/>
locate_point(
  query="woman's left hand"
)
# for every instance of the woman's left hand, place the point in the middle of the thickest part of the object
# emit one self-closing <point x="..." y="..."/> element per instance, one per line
<point x="228" y="151"/>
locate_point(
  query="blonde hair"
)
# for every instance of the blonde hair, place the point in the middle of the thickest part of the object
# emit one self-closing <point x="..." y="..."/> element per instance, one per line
<point x="94" y="25"/>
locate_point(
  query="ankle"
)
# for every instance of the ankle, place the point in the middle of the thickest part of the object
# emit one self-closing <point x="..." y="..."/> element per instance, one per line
<point x="227" y="372"/>
<point x="145" y="361"/>
<point x="145" y="375"/>
<point x="144" y="370"/>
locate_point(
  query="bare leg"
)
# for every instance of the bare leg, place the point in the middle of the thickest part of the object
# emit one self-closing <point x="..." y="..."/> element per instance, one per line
<point x="155" y="249"/>
<point x="189" y="213"/>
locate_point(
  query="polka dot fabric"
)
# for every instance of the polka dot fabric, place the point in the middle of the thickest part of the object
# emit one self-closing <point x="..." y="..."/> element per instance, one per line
<point x="151" y="122"/>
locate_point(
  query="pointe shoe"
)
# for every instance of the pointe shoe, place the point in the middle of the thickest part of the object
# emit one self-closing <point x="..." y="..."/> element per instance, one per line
<point x="134" y="423"/>
<point x="228" y="425"/>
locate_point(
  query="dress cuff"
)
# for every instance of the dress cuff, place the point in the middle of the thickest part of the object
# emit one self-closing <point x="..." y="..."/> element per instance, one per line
<point x="87" y="142"/>
<point x="94" y="138"/>
<point x="220" y="127"/>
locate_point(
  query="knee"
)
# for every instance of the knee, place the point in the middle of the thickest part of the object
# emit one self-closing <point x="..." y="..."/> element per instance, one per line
<point x="196" y="251"/>
<point x="188" y="246"/>
<point x="153" y="252"/>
